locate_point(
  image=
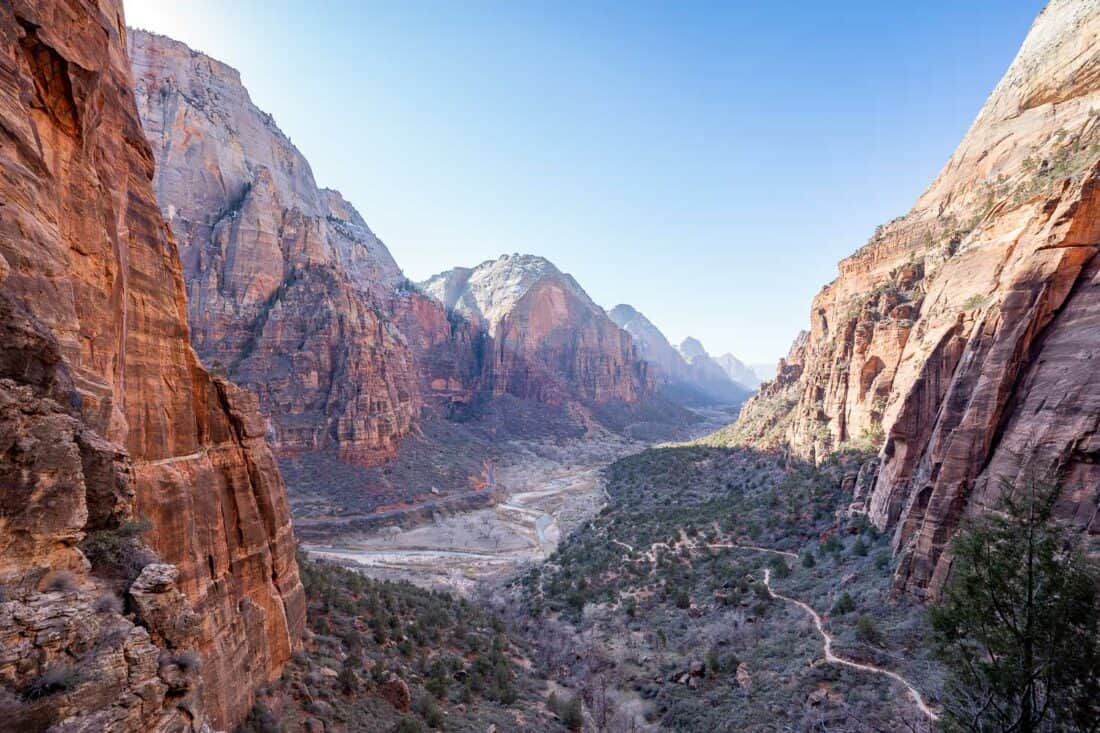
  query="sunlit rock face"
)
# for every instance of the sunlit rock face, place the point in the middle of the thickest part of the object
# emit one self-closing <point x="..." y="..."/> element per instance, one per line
<point x="961" y="340"/>
<point x="106" y="414"/>
<point x="549" y="342"/>
<point x="289" y="291"/>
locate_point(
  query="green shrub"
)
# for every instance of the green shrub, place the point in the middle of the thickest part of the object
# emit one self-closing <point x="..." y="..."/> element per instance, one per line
<point x="844" y="604"/>
<point x="867" y="631"/>
<point x="120" y="551"/>
<point x="882" y="561"/>
<point x="408" y="725"/>
<point x="428" y="709"/>
<point x="572" y="714"/>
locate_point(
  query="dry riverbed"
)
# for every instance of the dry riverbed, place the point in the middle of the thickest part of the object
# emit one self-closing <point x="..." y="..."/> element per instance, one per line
<point x="548" y="488"/>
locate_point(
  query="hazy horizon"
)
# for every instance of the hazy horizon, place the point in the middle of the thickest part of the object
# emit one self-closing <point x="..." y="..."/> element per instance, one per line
<point x="706" y="165"/>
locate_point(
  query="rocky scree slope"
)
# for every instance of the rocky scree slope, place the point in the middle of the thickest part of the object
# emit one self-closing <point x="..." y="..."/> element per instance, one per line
<point x="107" y="416"/>
<point x="961" y="340"/>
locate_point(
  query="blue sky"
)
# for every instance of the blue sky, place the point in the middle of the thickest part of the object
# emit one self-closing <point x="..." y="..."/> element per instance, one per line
<point x="708" y="163"/>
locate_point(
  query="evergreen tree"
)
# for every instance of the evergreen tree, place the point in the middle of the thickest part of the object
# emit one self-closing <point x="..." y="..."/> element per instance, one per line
<point x="1019" y="624"/>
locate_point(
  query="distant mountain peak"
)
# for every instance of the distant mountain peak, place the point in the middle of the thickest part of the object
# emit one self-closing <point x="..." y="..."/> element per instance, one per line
<point x="490" y="290"/>
<point x="692" y="348"/>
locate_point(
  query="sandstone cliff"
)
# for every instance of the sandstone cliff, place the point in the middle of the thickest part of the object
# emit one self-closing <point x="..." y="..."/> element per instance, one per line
<point x="549" y="342"/>
<point x="690" y="376"/>
<point x="961" y="340"/>
<point x="106" y="416"/>
<point x="289" y="291"/>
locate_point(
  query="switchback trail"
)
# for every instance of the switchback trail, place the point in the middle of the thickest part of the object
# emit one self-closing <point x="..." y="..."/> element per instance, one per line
<point x="918" y="699"/>
<point x="826" y="637"/>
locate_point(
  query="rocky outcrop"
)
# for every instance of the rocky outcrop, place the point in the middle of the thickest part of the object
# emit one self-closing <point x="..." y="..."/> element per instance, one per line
<point x="687" y="373"/>
<point x="106" y="416"/>
<point x="960" y="341"/>
<point x="289" y="291"/>
<point x="547" y="341"/>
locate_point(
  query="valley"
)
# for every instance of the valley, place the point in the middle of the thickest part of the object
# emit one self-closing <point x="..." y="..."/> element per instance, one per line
<point x="257" y="477"/>
<point x="546" y="489"/>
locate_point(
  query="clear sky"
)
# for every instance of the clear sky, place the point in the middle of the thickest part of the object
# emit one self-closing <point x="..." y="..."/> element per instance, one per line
<point x="707" y="163"/>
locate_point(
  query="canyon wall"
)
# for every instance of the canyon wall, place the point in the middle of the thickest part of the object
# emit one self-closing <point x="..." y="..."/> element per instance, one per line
<point x="289" y="291"/>
<point x="687" y="372"/>
<point x="107" y="418"/>
<point x="961" y="340"/>
<point x="292" y="295"/>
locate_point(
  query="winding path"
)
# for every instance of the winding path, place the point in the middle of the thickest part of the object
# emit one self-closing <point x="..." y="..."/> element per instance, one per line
<point x="918" y="699"/>
<point x="826" y="637"/>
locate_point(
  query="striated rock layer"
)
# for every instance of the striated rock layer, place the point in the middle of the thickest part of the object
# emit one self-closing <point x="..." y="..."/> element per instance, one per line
<point x="106" y="414"/>
<point x="962" y="340"/>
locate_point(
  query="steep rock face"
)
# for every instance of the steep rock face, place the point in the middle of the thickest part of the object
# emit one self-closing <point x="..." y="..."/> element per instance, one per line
<point x="289" y="291"/>
<point x="689" y="375"/>
<point x="106" y="413"/>
<point x="548" y="341"/>
<point x="960" y="340"/>
<point x="449" y="350"/>
<point x="703" y="370"/>
<point x="738" y="371"/>
<point x="652" y="345"/>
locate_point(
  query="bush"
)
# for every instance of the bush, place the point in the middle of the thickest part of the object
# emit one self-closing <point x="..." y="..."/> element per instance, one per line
<point x="844" y="604"/>
<point x="408" y="725"/>
<point x="120" y="550"/>
<point x="56" y="678"/>
<point x="260" y="720"/>
<point x="780" y="568"/>
<point x="188" y="660"/>
<point x="430" y="712"/>
<point x="571" y="713"/>
<point x="882" y="561"/>
<point x="808" y="559"/>
<point x="867" y="631"/>
<point x="60" y="581"/>
<point x="108" y="603"/>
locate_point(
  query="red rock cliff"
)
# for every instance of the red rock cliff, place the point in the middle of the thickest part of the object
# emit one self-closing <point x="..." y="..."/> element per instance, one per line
<point x="289" y="291"/>
<point x="106" y="413"/>
<point x="962" y="340"/>
<point x="547" y="340"/>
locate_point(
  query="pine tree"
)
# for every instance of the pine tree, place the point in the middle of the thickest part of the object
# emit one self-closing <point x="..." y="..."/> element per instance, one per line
<point x="1019" y="623"/>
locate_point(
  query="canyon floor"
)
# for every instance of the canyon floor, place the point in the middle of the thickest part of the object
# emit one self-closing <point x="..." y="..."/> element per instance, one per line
<point x="547" y="489"/>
